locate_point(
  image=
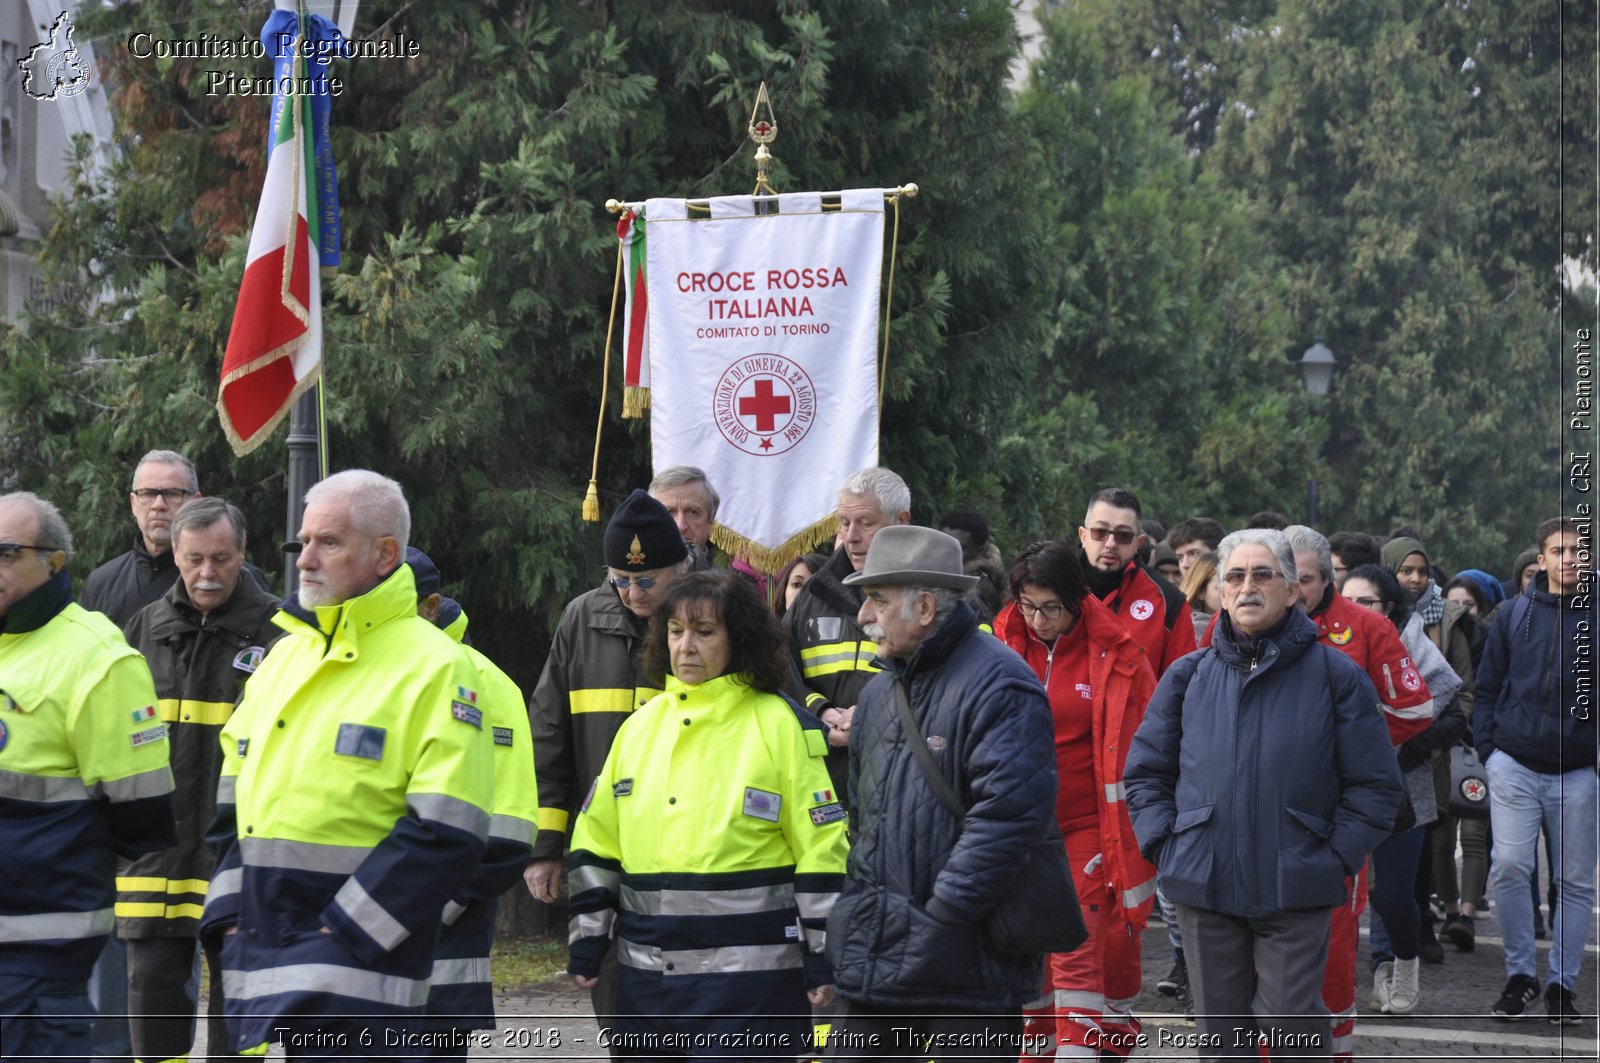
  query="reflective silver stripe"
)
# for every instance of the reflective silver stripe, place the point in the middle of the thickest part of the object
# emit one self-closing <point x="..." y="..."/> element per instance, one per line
<point x="1080" y="999"/>
<point x="746" y="901"/>
<point x="730" y="959"/>
<point x="371" y="916"/>
<point x="590" y="925"/>
<point x="226" y="883"/>
<point x="831" y="658"/>
<point x="227" y="787"/>
<point x="56" y="926"/>
<point x="302" y="856"/>
<point x="1115" y="792"/>
<point x="589" y="877"/>
<point x="464" y="971"/>
<point x="1139" y="894"/>
<point x="815" y="905"/>
<point x="452" y="912"/>
<point x="442" y="808"/>
<point x="152" y="783"/>
<point x="512" y="828"/>
<point x="388" y="989"/>
<point x="816" y="940"/>
<point x="21" y="786"/>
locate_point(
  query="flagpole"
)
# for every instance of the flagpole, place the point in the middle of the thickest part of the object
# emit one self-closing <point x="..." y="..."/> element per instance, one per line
<point x="302" y="473"/>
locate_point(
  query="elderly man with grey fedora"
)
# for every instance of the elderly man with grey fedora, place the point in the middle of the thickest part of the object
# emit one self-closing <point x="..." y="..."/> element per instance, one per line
<point x="905" y="940"/>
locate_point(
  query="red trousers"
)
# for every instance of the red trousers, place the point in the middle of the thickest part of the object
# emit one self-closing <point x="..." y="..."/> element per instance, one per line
<point x="1088" y="991"/>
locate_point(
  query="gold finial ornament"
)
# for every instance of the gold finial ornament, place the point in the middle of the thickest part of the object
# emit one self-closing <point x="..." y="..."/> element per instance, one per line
<point x="763" y="130"/>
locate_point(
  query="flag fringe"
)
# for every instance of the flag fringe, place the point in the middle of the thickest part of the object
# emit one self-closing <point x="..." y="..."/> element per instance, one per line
<point x="635" y="400"/>
<point x="770" y="559"/>
<point x="242" y="446"/>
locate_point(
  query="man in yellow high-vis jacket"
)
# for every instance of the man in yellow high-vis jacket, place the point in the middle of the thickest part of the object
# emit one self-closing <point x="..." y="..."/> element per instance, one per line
<point x="355" y="794"/>
<point x="84" y="778"/>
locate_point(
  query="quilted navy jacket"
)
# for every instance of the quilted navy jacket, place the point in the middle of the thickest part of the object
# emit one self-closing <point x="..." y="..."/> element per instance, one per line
<point x="1262" y="775"/>
<point x="906" y="928"/>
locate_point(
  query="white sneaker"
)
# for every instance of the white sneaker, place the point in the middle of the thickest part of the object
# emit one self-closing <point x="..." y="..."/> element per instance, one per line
<point x="1382" y="976"/>
<point x="1404" y="992"/>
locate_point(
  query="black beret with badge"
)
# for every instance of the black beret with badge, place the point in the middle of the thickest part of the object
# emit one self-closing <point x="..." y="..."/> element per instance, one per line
<point x="642" y="536"/>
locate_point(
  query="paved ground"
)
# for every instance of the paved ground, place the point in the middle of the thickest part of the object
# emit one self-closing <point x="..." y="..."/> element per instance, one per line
<point x="554" y="1021"/>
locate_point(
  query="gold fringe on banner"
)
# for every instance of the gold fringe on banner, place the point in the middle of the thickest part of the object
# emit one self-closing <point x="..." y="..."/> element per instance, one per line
<point x="635" y="400"/>
<point x="770" y="560"/>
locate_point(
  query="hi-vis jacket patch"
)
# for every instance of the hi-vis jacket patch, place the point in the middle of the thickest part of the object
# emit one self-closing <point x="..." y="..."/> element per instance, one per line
<point x="467" y="713"/>
<point x="502" y="736"/>
<point x="622" y="788"/>
<point x="158" y="733"/>
<point x="244" y="747"/>
<point x="825" y="628"/>
<point x="5" y="735"/>
<point x="761" y="804"/>
<point x="824" y="814"/>
<point x="146" y="713"/>
<point x="249" y="659"/>
<point x="359" y="740"/>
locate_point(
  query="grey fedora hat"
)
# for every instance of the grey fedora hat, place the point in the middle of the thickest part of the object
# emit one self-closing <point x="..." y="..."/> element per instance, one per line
<point x="904" y="554"/>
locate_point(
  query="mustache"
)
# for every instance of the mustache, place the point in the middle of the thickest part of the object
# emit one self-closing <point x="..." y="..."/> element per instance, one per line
<point x="208" y="585"/>
<point x="873" y="632"/>
<point x="1249" y="599"/>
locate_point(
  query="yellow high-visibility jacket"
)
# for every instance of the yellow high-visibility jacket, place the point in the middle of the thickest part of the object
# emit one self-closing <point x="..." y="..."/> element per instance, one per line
<point x="355" y="796"/>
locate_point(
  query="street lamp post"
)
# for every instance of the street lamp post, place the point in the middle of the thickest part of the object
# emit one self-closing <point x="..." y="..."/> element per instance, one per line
<point x="1316" y="372"/>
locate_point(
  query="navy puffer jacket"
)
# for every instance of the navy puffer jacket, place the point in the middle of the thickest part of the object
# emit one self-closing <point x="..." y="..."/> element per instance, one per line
<point x="1262" y="775"/>
<point x="906" y="928"/>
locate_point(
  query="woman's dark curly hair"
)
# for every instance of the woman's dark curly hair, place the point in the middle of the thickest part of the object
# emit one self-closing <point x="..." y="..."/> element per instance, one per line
<point x="1054" y="566"/>
<point x="758" y="650"/>
<point x="1389" y="591"/>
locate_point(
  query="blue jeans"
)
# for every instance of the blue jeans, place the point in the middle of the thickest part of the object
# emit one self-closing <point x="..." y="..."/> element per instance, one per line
<point x="1520" y="802"/>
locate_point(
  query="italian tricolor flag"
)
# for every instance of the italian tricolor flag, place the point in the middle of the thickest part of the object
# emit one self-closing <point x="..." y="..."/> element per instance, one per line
<point x="275" y="347"/>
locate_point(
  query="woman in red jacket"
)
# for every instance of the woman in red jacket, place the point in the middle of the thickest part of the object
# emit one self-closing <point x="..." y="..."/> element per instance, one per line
<point x="1098" y="679"/>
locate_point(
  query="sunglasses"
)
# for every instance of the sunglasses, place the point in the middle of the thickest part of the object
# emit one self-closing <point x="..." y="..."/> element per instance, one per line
<point x="1122" y="536"/>
<point x="1235" y="577"/>
<point x="622" y="583"/>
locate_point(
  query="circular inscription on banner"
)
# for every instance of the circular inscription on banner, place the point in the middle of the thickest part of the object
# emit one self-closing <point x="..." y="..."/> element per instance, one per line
<point x="764" y="404"/>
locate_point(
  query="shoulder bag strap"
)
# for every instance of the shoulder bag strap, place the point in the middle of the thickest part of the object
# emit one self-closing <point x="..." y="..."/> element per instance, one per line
<point x="919" y="749"/>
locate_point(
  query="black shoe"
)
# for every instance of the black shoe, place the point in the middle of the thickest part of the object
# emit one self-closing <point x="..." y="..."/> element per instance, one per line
<point x="1176" y="983"/>
<point x="1562" y="1008"/>
<point x="1461" y="932"/>
<point x="1429" y="950"/>
<point x="1520" y="991"/>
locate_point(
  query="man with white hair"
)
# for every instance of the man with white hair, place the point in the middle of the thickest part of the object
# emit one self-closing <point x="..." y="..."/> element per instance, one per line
<point x="834" y="655"/>
<point x="692" y="501"/>
<point x="84" y="779"/>
<point x="910" y="958"/>
<point x="1255" y="857"/>
<point x="355" y="794"/>
<point x="203" y="639"/>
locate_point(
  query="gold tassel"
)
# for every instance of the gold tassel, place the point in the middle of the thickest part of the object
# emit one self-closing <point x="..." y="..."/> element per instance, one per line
<point x="635" y="400"/>
<point x="591" y="504"/>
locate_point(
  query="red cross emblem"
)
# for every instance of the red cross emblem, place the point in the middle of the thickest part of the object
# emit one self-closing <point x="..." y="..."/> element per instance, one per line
<point x="764" y="404"/>
<point x="762" y="128"/>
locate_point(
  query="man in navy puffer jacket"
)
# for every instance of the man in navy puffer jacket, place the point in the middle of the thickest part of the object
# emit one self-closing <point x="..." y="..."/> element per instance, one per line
<point x="1261" y="778"/>
<point x="905" y="936"/>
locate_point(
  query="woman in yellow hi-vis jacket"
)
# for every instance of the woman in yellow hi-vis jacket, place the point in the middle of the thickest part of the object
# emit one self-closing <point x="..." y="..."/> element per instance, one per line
<point x="712" y="844"/>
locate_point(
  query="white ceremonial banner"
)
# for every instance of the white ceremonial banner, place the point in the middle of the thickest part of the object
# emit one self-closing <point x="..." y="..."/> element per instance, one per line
<point x="763" y="357"/>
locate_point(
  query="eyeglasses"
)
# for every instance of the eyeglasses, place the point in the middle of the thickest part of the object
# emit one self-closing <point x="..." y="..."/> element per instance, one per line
<point x="10" y="552"/>
<point x="1122" y="536"/>
<point x="644" y="583"/>
<point x="1051" y="611"/>
<point x="173" y="495"/>
<point x="1368" y="603"/>
<point x="1235" y="577"/>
